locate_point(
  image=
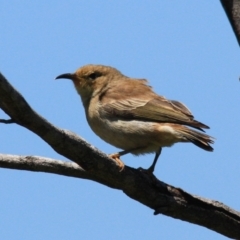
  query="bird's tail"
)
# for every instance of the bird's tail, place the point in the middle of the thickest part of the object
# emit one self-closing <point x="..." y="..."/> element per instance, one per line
<point x="201" y="140"/>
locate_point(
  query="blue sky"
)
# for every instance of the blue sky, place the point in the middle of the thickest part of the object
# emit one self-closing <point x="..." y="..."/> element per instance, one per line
<point x="187" y="51"/>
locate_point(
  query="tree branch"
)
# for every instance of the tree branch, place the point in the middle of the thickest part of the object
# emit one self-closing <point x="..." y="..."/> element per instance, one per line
<point x="96" y="166"/>
<point x="232" y="9"/>
<point x="42" y="164"/>
<point x="6" y="121"/>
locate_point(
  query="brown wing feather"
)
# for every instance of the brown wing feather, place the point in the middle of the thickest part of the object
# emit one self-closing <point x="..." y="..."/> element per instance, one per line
<point x="145" y="105"/>
<point x="182" y="108"/>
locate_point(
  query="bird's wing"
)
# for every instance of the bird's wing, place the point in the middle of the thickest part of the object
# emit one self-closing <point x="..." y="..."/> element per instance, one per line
<point x="157" y="109"/>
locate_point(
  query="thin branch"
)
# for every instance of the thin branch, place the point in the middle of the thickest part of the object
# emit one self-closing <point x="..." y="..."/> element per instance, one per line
<point x="42" y="164"/>
<point x="7" y="121"/>
<point x="136" y="184"/>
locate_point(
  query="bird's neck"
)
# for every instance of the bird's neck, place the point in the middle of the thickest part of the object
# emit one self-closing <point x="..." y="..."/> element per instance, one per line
<point x="85" y="100"/>
<point x="85" y="97"/>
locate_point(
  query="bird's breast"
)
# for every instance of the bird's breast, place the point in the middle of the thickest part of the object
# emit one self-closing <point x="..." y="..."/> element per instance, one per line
<point x="121" y="133"/>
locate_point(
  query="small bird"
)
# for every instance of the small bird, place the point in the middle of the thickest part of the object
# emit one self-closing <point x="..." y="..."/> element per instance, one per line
<point x="126" y="113"/>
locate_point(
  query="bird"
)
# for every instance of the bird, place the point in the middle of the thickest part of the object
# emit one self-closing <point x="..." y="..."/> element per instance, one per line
<point x="126" y="113"/>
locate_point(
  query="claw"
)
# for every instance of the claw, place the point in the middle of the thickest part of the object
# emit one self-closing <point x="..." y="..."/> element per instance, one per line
<point x="116" y="158"/>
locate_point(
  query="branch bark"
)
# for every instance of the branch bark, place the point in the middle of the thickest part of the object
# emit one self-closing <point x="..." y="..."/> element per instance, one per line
<point x="232" y="9"/>
<point x="90" y="163"/>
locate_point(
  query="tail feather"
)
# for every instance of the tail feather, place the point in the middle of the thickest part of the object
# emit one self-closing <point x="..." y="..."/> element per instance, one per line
<point x="197" y="138"/>
<point x="198" y="125"/>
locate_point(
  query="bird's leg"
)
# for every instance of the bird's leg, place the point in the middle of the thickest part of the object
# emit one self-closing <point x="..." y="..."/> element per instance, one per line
<point x="116" y="157"/>
<point x="151" y="169"/>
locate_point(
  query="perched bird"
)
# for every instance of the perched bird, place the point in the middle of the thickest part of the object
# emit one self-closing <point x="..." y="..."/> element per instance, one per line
<point x="128" y="114"/>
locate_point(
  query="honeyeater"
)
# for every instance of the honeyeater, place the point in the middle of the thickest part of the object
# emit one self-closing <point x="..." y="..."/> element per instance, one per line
<point x="126" y="113"/>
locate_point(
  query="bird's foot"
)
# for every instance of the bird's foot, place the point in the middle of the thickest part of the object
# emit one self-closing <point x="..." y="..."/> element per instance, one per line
<point x="149" y="174"/>
<point x="148" y="171"/>
<point x="116" y="158"/>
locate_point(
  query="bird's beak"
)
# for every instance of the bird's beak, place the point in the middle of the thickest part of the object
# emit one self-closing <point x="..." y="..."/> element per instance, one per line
<point x="65" y="75"/>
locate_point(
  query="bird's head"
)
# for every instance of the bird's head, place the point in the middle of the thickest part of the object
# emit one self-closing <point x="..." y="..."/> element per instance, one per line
<point x="91" y="79"/>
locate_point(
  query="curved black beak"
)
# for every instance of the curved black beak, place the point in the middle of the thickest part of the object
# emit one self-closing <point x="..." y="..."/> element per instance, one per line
<point x="65" y="75"/>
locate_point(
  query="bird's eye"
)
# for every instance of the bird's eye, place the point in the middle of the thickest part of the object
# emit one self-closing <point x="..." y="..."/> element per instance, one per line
<point x="94" y="75"/>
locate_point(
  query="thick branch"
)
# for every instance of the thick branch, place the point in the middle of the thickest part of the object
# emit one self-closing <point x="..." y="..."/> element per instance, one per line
<point x="232" y="9"/>
<point x="138" y="185"/>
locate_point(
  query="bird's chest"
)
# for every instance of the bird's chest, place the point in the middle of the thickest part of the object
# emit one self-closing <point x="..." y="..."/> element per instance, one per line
<point x="104" y="126"/>
<point x="95" y="119"/>
<point x="117" y="132"/>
